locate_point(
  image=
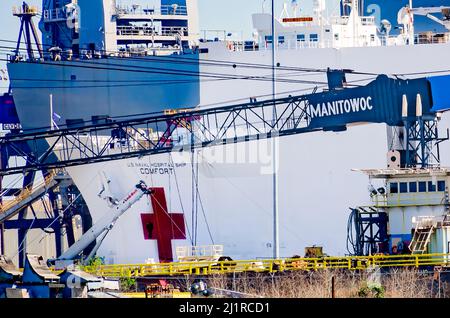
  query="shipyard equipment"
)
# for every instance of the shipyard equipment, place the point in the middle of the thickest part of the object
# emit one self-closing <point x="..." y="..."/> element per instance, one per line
<point x="59" y="196"/>
<point x="36" y="280"/>
<point x="409" y="216"/>
<point x="429" y="11"/>
<point x="411" y="106"/>
<point x="100" y="229"/>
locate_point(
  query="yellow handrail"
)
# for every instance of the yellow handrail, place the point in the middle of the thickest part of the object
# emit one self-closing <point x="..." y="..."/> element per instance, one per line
<point x="269" y="266"/>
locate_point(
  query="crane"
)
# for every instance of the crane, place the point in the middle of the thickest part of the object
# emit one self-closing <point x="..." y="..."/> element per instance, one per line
<point x="101" y="228"/>
<point x="387" y="100"/>
<point x="428" y="12"/>
<point x="413" y="105"/>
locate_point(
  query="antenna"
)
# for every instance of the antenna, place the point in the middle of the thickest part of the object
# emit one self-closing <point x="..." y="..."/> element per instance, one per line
<point x="294" y="5"/>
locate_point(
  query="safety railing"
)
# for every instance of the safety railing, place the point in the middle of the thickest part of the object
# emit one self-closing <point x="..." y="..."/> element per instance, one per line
<point x="27" y="192"/>
<point x="409" y="199"/>
<point x="421" y="38"/>
<point x="162" y="10"/>
<point x="151" y="31"/>
<point x="184" y="253"/>
<point x="270" y="266"/>
<point x="55" y="14"/>
<point x="25" y="10"/>
<point x="343" y="20"/>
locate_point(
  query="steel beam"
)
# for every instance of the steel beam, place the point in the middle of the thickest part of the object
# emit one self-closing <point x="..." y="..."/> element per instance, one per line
<point x="126" y="139"/>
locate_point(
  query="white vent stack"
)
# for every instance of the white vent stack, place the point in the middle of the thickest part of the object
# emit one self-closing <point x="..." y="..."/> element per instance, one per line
<point x="419" y="108"/>
<point x="405" y="106"/>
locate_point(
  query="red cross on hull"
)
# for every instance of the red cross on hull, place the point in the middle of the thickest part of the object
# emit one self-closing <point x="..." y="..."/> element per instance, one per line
<point x="163" y="226"/>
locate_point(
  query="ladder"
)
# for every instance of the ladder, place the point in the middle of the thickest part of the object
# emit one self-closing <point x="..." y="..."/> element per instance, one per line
<point x="422" y="236"/>
<point x="446" y="221"/>
<point x="420" y="240"/>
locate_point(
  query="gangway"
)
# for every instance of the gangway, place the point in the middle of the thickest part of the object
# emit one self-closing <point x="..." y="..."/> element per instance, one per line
<point x="28" y="196"/>
<point x="424" y="228"/>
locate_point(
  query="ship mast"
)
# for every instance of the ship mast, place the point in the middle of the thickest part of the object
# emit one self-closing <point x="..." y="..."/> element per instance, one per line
<point x="27" y="30"/>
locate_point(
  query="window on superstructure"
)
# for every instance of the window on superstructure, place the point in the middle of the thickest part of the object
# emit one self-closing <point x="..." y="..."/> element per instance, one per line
<point x="403" y="187"/>
<point x="441" y="186"/>
<point x="422" y="186"/>
<point x="336" y="36"/>
<point x="314" y="37"/>
<point x="413" y="187"/>
<point x="393" y="187"/>
<point x="431" y="187"/>
<point x="268" y="38"/>
<point x="301" y="37"/>
<point x="281" y="39"/>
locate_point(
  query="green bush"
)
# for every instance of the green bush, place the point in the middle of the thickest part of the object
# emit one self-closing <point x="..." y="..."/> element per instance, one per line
<point x="127" y="284"/>
<point x="96" y="261"/>
<point x="371" y="290"/>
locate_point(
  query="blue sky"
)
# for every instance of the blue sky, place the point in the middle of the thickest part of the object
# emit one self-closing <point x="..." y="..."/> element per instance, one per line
<point x="214" y="14"/>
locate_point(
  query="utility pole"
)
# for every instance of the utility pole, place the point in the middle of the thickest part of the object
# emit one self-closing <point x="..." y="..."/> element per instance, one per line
<point x="276" y="235"/>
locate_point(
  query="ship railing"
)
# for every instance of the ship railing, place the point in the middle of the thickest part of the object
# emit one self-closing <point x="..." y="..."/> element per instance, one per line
<point x="425" y="222"/>
<point x="184" y="252"/>
<point x="213" y="267"/>
<point x="149" y="11"/>
<point x="339" y="20"/>
<point x="151" y="31"/>
<point x="299" y="44"/>
<point x="27" y="10"/>
<point x="239" y="46"/>
<point x="57" y="14"/>
<point x="409" y="199"/>
<point x="420" y="38"/>
<point x="147" y="51"/>
<point x="343" y="20"/>
<point x="367" y="20"/>
<point x="289" y="44"/>
<point x="26" y="192"/>
<point x="15" y="58"/>
<point x="431" y="38"/>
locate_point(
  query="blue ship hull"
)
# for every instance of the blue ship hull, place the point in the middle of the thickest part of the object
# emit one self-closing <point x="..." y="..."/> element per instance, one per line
<point x="8" y="114"/>
<point x="110" y="87"/>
